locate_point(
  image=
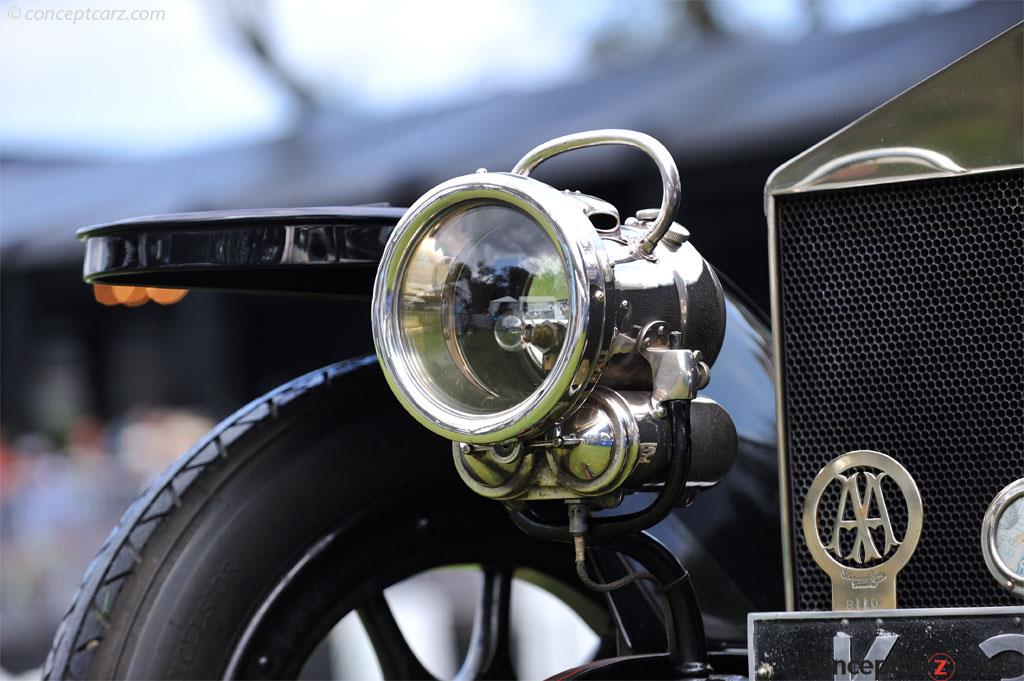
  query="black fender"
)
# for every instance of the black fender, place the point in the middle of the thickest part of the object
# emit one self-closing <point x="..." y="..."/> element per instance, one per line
<point x="730" y="538"/>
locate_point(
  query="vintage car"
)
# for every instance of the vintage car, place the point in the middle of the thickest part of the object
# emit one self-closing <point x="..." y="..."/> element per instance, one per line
<point x="569" y="387"/>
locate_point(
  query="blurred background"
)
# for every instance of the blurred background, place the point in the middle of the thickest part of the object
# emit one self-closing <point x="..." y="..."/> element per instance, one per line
<point x="189" y="105"/>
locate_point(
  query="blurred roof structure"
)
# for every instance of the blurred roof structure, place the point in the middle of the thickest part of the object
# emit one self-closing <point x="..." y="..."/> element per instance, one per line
<point x="712" y="103"/>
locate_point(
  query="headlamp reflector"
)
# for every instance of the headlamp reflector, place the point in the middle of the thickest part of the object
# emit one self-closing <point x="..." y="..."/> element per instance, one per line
<point x="484" y="306"/>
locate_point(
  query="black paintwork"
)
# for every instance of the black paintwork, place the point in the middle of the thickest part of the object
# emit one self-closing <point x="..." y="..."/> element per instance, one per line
<point x="331" y="250"/>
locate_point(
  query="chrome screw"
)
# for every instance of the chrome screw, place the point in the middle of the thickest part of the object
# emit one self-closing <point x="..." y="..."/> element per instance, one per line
<point x="599" y="296"/>
<point x="764" y="672"/>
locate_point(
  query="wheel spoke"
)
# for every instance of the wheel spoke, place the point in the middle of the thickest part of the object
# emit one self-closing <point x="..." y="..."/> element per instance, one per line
<point x="489" y="656"/>
<point x="396" y="658"/>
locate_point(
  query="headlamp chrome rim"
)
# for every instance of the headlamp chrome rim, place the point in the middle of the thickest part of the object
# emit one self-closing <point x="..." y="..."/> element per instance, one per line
<point x="568" y="383"/>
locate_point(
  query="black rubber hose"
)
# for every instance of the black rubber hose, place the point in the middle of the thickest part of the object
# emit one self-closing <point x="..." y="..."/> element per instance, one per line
<point x="684" y="625"/>
<point x="603" y="530"/>
<point x="607" y="529"/>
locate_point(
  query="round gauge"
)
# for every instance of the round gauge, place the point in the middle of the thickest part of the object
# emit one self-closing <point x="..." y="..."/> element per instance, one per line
<point x="1002" y="537"/>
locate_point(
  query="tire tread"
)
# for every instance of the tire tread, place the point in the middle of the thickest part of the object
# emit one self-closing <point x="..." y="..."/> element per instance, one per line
<point x="81" y="631"/>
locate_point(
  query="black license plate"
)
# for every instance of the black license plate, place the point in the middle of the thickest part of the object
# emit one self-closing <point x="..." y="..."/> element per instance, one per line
<point x="952" y="644"/>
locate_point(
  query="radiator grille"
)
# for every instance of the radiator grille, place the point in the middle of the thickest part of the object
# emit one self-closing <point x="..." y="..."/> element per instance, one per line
<point x="903" y="332"/>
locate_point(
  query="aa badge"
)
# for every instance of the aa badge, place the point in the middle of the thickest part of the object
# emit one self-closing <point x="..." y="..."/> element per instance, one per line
<point x="862" y="519"/>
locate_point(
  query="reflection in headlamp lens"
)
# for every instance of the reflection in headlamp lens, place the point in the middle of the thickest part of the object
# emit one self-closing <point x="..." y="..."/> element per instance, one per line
<point x="484" y="307"/>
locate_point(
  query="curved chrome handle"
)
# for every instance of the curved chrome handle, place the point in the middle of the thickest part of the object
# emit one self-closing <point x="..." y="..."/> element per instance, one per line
<point x="670" y="186"/>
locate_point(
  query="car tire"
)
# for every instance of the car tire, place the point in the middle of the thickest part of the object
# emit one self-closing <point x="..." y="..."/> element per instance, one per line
<point x="188" y="566"/>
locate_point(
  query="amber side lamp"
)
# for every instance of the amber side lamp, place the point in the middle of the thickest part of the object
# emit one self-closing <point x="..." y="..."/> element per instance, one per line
<point x="166" y="296"/>
<point x="134" y="296"/>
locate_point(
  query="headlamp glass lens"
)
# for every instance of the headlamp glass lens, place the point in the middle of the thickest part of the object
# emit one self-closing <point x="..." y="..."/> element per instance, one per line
<point x="484" y="307"/>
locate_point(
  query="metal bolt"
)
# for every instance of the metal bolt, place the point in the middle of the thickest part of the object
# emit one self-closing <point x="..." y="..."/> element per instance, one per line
<point x="703" y="376"/>
<point x="764" y="672"/>
<point x="661" y="329"/>
<point x="465" y="448"/>
<point x="624" y="304"/>
<point x="481" y="170"/>
<point x="599" y="296"/>
<point x="878" y="622"/>
<point x="844" y="623"/>
<point x="263" y="661"/>
<point x="660" y="411"/>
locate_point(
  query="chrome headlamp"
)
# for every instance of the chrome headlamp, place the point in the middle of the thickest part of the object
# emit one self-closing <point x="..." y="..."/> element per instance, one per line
<point x="501" y="302"/>
<point x="489" y="307"/>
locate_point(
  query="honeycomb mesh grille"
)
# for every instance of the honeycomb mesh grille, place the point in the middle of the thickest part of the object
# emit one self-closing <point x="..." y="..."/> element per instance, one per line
<point x="903" y="332"/>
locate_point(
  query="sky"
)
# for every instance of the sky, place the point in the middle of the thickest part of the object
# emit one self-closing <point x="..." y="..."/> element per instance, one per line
<point x="173" y="77"/>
